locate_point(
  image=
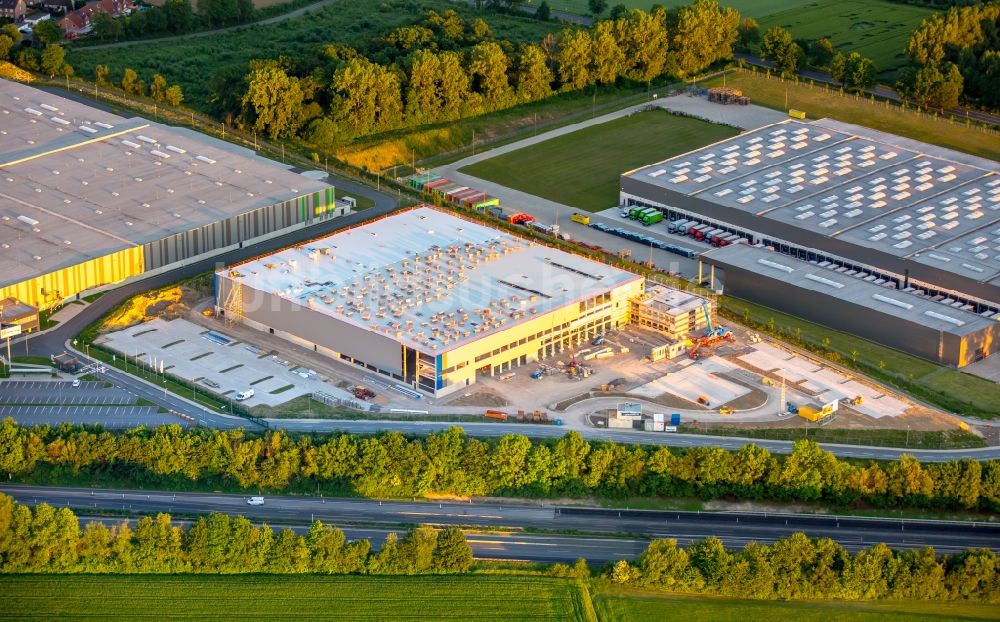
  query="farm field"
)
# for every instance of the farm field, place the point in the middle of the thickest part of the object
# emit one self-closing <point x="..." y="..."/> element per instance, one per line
<point x="581" y="169"/>
<point x="109" y="598"/>
<point x="638" y="607"/>
<point x="876" y="29"/>
<point x="818" y="102"/>
<point x="192" y="62"/>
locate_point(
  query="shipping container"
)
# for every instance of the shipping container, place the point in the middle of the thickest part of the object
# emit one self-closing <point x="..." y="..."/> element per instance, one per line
<point x="583" y="219"/>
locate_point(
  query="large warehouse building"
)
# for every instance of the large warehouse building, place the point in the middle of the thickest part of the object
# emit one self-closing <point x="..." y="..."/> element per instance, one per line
<point x="883" y="209"/>
<point x="428" y="298"/>
<point x="88" y="198"/>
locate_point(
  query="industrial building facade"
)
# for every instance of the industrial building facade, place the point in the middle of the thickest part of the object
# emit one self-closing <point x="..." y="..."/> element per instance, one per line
<point x="882" y="209"/>
<point x="89" y="199"/>
<point x="902" y="320"/>
<point x="428" y="298"/>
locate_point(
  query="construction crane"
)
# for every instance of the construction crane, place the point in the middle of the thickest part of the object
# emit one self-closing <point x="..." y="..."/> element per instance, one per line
<point x="713" y="335"/>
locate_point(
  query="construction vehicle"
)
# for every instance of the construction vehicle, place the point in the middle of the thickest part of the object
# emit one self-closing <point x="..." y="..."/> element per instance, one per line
<point x="714" y="335"/>
<point x="791" y="408"/>
<point x="726" y="410"/>
<point x="363" y="393"/>
<point x="703" y="400"/>
<point x="583" y="219"/>
<point x="537" y="374"/>
<point x="520" y="218"/>
<point x="767" y="381"/>
<point x="857" y="401"/>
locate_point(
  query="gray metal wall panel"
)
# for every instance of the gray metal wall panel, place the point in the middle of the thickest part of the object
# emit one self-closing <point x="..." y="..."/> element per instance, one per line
<point x="842" y="315"/>
<point x="326" y="331"/>
<point x="810" y="239"/>
<point x="220" y="234"/>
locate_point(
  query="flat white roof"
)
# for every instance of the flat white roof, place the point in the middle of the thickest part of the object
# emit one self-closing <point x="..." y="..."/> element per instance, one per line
<point x="428" y="278"/>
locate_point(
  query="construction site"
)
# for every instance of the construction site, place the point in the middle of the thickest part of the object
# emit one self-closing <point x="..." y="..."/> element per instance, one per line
<point x="658" y="349"/>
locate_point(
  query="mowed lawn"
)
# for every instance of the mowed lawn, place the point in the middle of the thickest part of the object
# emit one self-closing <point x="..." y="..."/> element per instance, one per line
<point x="876" y="29"/>
<point x="582" y="168"/>
<point x="110" y="598"/>
<point x="638" y="607"/>
<point x="818" y="102"/>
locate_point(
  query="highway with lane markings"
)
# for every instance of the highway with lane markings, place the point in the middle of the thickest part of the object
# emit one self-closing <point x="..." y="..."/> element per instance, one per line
<point x="597" y="526"/>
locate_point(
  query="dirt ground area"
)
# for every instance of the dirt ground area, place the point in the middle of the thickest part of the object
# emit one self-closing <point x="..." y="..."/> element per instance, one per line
<point x="847" y="419"/>
<point x="167" y="304"/>
<point x="478" y="398"/>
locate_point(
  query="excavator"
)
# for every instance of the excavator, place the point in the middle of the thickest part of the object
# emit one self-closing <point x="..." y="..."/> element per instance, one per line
<point x="714" y="335"/>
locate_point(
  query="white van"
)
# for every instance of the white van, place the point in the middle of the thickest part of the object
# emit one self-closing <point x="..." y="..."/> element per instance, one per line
<point x="255" y="500"/>
<point x="244" y="395"/>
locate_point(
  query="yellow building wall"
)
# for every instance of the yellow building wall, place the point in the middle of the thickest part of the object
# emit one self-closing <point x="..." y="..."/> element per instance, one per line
<point x="70" y="281"/>
<point x="619" y="306"/>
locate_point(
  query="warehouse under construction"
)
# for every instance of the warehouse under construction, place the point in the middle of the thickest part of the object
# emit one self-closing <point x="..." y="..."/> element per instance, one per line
<point x="89" y="198"/>
<point x="429" y="298"/>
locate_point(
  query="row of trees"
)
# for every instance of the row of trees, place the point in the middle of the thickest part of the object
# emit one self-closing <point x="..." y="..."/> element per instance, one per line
<point x="789" y="55"/>
<point x="955" y="56"/>
<point x="45" y="539"/>
<point x="440" y="80"/>
<point x="130" y="83"/>
<point x="173" y="17"/>
<point x="802" y="568"/>
<point x="48" y="540"/>
<point x="392" y="465"/>
<point x="51" y="60"/>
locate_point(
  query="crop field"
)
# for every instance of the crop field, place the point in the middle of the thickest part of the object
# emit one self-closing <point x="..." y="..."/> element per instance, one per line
<point x="751" y="8"/>
<point x="876" y="29"/>
<point x="191" y="62"/>
<point x="637" y="607"/>
<point x="581" y="169"/>
<point x="109" y="598"/>
<point x="818" y="102"/>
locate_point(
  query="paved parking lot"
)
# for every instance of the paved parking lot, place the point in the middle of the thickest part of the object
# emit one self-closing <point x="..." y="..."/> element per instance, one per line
<point x="218" y="362"/>
<point x="60" y="392"/>
<point x="112" y="417"/>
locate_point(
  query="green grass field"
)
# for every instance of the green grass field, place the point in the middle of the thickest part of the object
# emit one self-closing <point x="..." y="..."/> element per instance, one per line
<point x="638" y="607"/>
<point x="192" y="62"/>
<point x="581" y="169"/>
<point x="482" y="598"/>
<point x="819" y="102"/>
<point x="876" y="29"/>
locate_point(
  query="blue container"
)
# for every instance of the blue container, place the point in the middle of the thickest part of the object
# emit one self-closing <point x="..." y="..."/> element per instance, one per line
<point x="675" y="419"/>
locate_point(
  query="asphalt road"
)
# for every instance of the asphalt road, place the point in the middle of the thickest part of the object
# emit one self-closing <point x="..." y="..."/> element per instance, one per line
<point x="379" y="517"/>
<point x="629" y="437"/>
